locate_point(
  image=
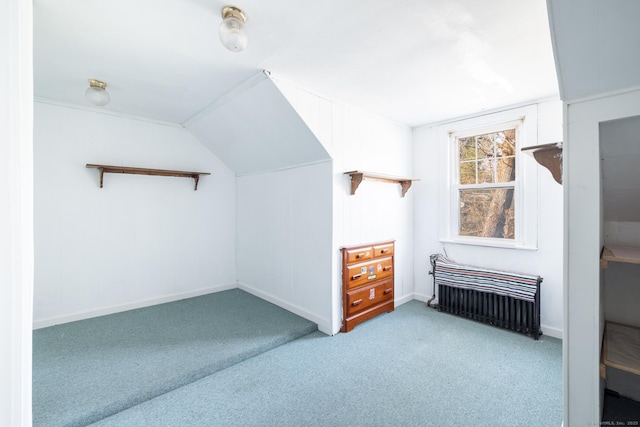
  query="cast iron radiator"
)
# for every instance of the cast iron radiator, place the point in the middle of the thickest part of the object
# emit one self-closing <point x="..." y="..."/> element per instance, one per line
<point x="499" y="298"/>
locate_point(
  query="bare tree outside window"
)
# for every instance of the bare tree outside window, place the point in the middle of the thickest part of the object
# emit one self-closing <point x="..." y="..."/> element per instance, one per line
<point x="487" y="173"/>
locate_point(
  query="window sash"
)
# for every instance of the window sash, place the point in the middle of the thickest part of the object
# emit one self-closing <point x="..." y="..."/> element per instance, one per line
<point x="457" y="187"/>
<point x="487" y="185"/>
<point x="475" y="226"/>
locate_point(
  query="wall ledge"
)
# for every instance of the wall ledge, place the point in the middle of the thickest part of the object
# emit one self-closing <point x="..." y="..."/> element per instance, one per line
<point x="58" y="320"/>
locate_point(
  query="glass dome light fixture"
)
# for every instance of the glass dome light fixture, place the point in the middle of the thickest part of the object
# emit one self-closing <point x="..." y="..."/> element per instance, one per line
<point x="232" y="31"/>
<point x="97" y="93"/>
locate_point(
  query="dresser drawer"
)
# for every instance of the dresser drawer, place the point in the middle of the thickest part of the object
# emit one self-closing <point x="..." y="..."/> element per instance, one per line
<point x="359" y="254"/>
<point x="383" y="250"/>
<point x="365" y="297"/>
<point x="360" y="274"/>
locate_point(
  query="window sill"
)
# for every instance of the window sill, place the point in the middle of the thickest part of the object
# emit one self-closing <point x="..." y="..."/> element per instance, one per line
<point x="489" y="243"/>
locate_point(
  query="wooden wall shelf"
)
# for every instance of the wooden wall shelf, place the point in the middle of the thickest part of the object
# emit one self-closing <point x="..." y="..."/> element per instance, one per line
<point x="144" y="171"/>
<point x="626" y="254"/>
<point x="358" y="176"/>
<point x="549" y="156"/>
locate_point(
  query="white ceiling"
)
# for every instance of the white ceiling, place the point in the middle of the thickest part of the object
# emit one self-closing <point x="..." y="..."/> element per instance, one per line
<point x="596" y="46"/>
<point x="275" y="138"/>
<point x="413" y="61"/>
<point x="596" y="49"/>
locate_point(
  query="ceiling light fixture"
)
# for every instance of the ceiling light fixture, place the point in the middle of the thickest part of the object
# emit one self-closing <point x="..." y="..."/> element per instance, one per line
<point x="97" y="93"/>
<point x="233" y="33"/>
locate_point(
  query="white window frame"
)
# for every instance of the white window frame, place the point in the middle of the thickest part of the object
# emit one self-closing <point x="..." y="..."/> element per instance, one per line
<point x="524" y="120"/>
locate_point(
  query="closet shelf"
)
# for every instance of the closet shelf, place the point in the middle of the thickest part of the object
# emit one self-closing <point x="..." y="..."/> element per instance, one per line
<point x="625" y="254"/>
<point x="358" y="176"/>
<point x="144" y="171"/>
<point x="620" y="348"/>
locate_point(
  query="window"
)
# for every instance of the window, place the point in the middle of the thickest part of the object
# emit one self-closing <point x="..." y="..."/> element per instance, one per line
<point x="487" y="183"/>
<point x="487" y="188"/>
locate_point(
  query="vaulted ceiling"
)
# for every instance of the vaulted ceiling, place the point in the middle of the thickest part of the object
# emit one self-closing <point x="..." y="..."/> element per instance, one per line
<point x="413" y="61"/>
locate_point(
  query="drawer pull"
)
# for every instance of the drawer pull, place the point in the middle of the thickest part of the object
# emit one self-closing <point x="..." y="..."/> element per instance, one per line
<point x="388" y="291"/>
<point x="356" y="302"/>
<point x="384" y="251"/>
<point x="387" y="268"/>
<point x="357" y="276"/>
<point x="360" y="255"/>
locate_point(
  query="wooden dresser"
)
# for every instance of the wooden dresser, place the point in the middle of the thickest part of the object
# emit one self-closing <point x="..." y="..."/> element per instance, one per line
<point x="367" y="282"/>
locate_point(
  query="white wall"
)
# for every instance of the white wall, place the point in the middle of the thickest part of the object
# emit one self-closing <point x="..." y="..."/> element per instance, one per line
<point x="357" y="140"/>
<point x="621" y="289"/>
<point x="284" y="239"/>
<point x="621" y="286"/>
<point x="431" y="162"/>
<point x="620" y="154"/>
<point x="16" y="211"/>
<point x="584" y="236"/>
<point x="139" y="240"/>
<point x="625" y="233"/>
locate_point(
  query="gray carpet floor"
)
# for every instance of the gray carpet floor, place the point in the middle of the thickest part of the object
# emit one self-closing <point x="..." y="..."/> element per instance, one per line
<point x="412" y="367"/>
<point x="88" y="370"/>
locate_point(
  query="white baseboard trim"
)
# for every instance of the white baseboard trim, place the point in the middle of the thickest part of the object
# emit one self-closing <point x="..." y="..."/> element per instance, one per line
<point x="43" y="323"/>
<point x="551" y="331"/>
<point x="546" y="330"/>
<point x="324" y="325"/>
<point x="404" y="299"/>
<point x="421" y="297"/>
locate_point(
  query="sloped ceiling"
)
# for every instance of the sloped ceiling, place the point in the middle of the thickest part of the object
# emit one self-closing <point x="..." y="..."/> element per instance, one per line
<point x="413" y="61"/>
<point x="596" y="45"/>
<point x="596" y="48"/>
<point x="255" y="129"/>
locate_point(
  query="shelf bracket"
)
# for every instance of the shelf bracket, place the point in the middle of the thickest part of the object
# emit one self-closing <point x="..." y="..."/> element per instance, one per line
<point x="356" y="179"/>
<point x="101" y="176"/>
<point x="549" y="156"/>
<point x="405" y="186"/>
